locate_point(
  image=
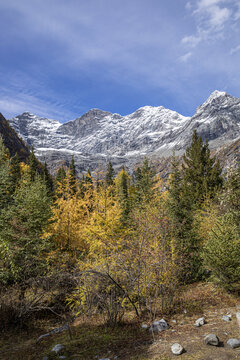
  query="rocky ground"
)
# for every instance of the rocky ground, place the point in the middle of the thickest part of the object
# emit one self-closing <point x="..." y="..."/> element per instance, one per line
<point x="92" y="340"/>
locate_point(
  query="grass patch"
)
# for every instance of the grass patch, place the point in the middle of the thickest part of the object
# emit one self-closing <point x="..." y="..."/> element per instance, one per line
<point x="90" y="342"/>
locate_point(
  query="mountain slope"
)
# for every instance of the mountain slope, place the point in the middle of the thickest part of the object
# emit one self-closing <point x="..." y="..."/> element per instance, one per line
<point x="11" y="140"/>
<point x="99" y="135"/>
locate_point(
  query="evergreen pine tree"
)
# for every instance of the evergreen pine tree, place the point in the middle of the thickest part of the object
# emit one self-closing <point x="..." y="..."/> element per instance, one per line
<point x="144" y="183"/>
<point x="61" y="175"/>
<point x="33" y="164"/>
<point x="109" y="174"/>
<point x="230" y="198"/>
<point x="73" y="176"/>
<point x="23" y="248"/>
<point x="5" y="177"/>
<point x="48" y="180"/>
<point x="122" y="190"/>
<point x="199" y="177"/>
<point x="15" y="171"/>
<point x="201" y="173"/>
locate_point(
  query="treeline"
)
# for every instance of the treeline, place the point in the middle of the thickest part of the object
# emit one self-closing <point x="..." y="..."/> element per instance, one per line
<point x="113" y="242"/>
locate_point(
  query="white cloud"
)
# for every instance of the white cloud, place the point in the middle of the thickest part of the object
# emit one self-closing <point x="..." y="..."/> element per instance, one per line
<point x="234" y="50"/>
<point x="204" y="4"/>
<point x="186" y="57"/>
<point x="218" y="16"/>
<point x="191" y="40"/>
<point x="212" y="17"/>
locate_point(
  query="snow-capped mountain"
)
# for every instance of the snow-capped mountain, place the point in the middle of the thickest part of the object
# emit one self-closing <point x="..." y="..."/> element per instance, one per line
<point x="98" y="136"/>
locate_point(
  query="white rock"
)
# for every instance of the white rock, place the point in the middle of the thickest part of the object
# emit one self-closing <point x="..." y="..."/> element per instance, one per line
<point x="57" y="348"/>
<point x="211" y="339"/>
<point x="177" y="349"/>
<point x="226" y="318"/>
<point x="233" y="343"/>
<point x="200" y="322"/>
<point x="144" y="326"/>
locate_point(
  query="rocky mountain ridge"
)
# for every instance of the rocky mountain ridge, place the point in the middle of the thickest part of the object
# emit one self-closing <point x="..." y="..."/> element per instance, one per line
<point x="12" y="141"/>
<point x="98" y="136"/>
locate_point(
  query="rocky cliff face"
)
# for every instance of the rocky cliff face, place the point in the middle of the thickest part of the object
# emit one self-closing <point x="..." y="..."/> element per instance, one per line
<point x="98" y="135"/>
<point x="11" y="140"/>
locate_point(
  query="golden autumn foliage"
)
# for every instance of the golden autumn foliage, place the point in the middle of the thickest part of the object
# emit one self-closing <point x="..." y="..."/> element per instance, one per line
<point x="135" y="266"/>
<point x="70" y="216"/>
<point x="205" y="219"/>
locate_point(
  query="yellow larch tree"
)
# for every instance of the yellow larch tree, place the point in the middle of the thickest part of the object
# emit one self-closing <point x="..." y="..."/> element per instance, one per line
<point x="70" y="216"/>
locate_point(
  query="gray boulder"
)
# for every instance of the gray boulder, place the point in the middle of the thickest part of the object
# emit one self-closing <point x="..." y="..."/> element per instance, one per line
<point x="177" y="349"/>
<point x="58" y="348"/>
<point x="199" y="322"/>
<point x="233" y="343"/>
<point x="158" y="326"/>
<point x="211" y="339"/>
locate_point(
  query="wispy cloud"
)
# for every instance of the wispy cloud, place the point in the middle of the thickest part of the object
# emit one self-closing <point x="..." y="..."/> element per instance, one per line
<point x="211" y="17"/>
<point x="185" y="57"/>
<point x="235" y="49"/>
<point x="61" y="59"/>
<point x="16" y="97"/>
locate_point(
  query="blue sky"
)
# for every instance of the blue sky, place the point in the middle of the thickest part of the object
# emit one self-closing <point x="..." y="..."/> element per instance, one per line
<point x="60" y="58"/>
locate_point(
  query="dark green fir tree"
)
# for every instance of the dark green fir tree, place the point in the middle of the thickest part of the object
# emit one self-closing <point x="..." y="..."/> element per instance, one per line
<point x="48" y="180"/>
<point x="109" y="174"/>
<point x="61" y="175"/>
<point x="33" y="164"/>
<point x="143" y="180"/>
<point x="73" y="176"/>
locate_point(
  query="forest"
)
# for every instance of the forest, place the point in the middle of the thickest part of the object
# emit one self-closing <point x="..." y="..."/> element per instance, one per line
<point x="113" y="243"/>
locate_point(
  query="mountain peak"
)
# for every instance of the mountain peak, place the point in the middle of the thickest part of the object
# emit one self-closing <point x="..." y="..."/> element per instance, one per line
<point x="26" y="114"/>
<point x="97" y="112"/>
<point x="215" y="95"/>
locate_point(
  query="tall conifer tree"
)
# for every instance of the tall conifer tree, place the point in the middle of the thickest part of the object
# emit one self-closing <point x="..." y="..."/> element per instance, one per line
<point x="109" y="174"/>
<point x="198" y="178"/>
<point x="33" y="164"/>
<point x="201" y="173"/>
<point x="73" y="176"/>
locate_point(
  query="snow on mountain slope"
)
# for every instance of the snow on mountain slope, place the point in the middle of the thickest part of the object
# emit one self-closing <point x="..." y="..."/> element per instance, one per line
<point x="98" y="131"/>
<point x="99" y="135"/>
<point x="218" y="119"/>
<point x="34" y="130"/>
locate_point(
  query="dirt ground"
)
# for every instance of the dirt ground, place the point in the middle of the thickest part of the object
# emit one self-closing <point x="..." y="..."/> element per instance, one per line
<point x="92" y="340"/>
<point x="192" y="338"/>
